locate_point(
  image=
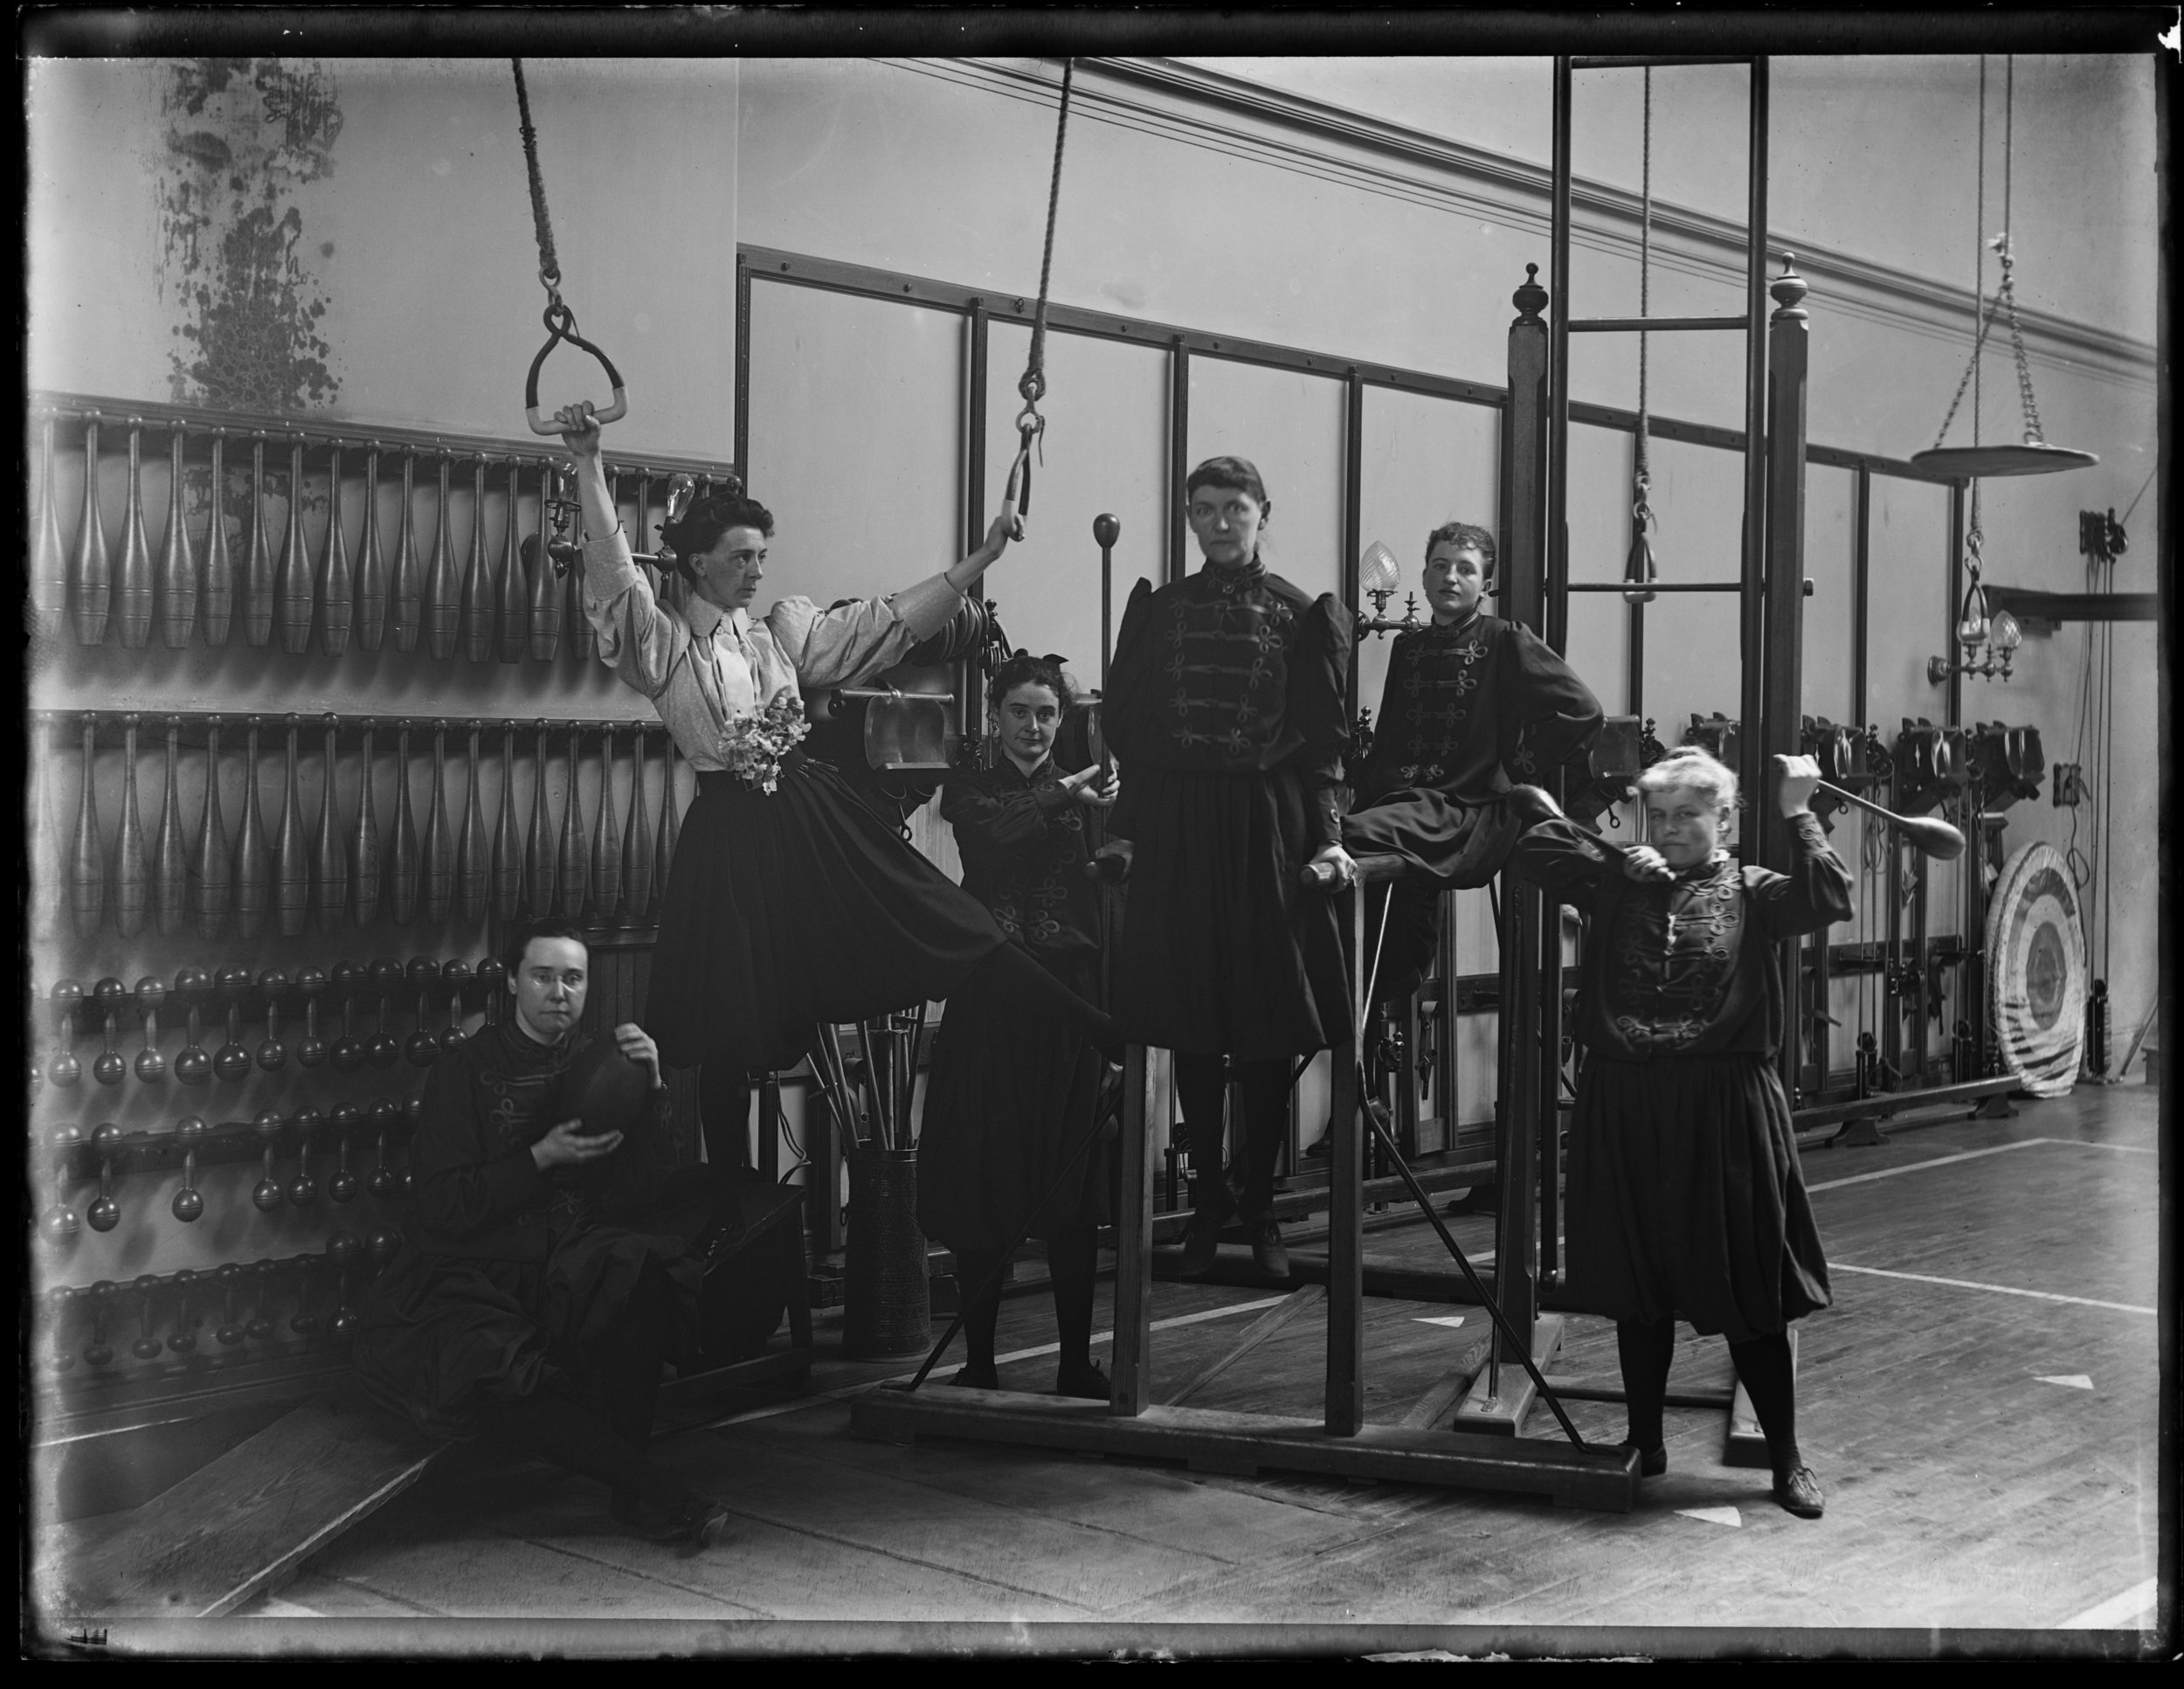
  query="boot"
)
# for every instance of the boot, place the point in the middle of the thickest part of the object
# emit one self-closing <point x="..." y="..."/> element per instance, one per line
<point x="1211" y="1207"/>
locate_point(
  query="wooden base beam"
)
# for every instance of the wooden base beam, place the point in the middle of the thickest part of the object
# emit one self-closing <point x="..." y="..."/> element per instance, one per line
<point x="1492" y="1410"/>
<point x="1244" y="1444"/>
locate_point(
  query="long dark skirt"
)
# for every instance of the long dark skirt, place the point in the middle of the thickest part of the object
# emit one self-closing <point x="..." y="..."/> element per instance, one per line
<point x="789" y="908"/>
<point x="1012" y="1097"/>
<point x="1448" y="846"/>
<point x="1686" y="1199"/>
<point x="1223" y="952"/>
<point x="438" y="1333"/>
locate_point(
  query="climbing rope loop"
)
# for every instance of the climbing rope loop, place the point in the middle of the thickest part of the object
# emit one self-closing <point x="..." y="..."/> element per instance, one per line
<point x="561" y="321"/>
<point x="1032" y="385"/>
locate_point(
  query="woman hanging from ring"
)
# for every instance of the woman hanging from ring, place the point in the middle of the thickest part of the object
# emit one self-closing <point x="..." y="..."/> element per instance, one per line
<point x="789" y="902"/>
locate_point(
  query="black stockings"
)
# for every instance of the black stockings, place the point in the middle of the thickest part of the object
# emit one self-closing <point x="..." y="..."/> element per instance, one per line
<point x="1072" y="1259"/>
<point x="1199" y="1083"/>
<point x="1763" y="1365"/>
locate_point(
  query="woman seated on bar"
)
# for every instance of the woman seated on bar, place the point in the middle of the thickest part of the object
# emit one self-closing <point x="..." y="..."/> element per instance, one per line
<point x="548" y="1272"/>
<point x="789" y="901"/>
<point x="1472" y="703"/>
<point x="1685" y="1199"/>
<point x="1006" y="1149"/>
<point x="1225" y="708"/>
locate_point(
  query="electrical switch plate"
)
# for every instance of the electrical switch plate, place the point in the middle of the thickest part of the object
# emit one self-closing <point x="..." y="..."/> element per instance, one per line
<point x="2069" y="788"/>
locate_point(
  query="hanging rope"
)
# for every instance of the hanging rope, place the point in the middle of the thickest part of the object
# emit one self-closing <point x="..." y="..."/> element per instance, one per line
<point x="1032" y="384"/>
<point x="1638" y="570"/>
<point x="560" y="320"/>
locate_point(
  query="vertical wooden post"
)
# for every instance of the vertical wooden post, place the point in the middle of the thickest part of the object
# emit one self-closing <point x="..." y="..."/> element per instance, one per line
<point x="1133" y="1241"/>
<point x="1500" y="1397"/>
<point x="1345" y="1199"/>
<point x="743" y="379"/>
<point x="1787" y="346"/>
<point x="1752" y="631"/>
<point x="1352" y="516"/>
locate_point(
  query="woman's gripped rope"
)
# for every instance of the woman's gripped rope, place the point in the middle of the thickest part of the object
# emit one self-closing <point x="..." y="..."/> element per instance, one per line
<point x="560" y="320"/>
<point x="1032" y="384"/>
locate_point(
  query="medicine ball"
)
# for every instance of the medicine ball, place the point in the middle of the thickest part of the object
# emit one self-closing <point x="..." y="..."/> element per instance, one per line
<point x="604" y="1089"/>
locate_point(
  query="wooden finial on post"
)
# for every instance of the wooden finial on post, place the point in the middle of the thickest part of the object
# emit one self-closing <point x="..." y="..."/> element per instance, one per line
<point x="1530" y="299"/>
<point x="1788" y="290"/>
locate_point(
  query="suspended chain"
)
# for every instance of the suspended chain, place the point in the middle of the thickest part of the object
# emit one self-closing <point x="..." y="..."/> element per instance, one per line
<point x="2032" y="434"/>
<point x="548" y="265"/>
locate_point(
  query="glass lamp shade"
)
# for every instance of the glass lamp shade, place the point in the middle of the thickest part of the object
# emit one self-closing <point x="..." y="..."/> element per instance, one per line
<point x="2004" y="632"/>
<point x="1972" y="618"/>
<point x="1378" y="571"/>
<point x="680" y="491"/>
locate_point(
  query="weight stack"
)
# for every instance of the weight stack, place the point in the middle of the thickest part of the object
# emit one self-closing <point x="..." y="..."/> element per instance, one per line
<point x="885" y="1307"/>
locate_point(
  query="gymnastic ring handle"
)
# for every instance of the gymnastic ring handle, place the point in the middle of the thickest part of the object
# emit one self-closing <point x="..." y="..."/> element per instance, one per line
<point x="561" y="324"/>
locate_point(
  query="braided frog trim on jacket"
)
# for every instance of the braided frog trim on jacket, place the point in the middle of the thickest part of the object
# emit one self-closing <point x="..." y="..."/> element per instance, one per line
<point x="1675" y="948"/>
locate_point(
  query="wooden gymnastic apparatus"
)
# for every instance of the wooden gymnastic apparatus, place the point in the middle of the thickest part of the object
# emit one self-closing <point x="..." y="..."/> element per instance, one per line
<point x="1485" y="1449"/>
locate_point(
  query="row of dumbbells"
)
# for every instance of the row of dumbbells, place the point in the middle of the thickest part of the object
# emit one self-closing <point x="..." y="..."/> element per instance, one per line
<point x="243" y="1293"/>
<point x="440" y="988"/>
<point x="271" y="1130"/>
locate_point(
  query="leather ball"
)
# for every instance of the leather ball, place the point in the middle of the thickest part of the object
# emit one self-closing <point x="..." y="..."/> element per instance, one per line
<point x="604" y="1089"/>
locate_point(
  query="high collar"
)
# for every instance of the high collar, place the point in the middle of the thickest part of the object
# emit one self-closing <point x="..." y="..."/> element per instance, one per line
<point x="1703" y="870"/>
<point x="1032" y="779"/>
<point x="1233" y="580"/>
<point x="704" y="616"/>
<point x="1453" y="630"/>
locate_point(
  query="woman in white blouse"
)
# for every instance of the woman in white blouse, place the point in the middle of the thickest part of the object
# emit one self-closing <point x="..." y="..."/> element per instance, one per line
<point x="789" y="901"/>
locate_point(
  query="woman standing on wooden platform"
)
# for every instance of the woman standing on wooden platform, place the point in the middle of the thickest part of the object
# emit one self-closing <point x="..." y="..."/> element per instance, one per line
<point x="1010" y="1102"/>
<point x="1685" y="1196"/>
<point x="1224" y="705"/>
<point x="790" y="901"/>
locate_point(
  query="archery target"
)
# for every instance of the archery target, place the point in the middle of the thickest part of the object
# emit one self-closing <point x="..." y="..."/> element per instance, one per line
<point x="2036" y="970"/>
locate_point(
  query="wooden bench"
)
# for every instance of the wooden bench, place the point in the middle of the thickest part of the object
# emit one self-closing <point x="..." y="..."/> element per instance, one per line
<point x="242" y="1525"/>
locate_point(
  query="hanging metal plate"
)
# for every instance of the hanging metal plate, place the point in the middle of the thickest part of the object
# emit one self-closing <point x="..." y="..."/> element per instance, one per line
<point x="2036" y="971"/>
<point x="1985" y="463"/>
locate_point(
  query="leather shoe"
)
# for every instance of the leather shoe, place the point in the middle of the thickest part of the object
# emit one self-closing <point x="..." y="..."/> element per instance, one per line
<point x="1798" y="1492"/>
<point x="704" y="1522"/>
<point x="1202" y="1242"/>
<point x="1651" y="1462"/>
<point x="648" y="1519"/>
<point x="977" y="1378"/>
<point x="1266" y="1253"/>
<point x="1087" y="1381"/>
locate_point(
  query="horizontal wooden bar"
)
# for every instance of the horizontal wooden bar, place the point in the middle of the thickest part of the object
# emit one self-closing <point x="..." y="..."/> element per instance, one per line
<point x="1624" y="325"/>
<point x="1606" y="1478"/>
<point x="195" y="725"/>
<point x="318" y="433"/>
<point x="1581" y="1389"/>
<point x="1634" y="61"/>
<point x="1884" y="1102"/>
<point x="1654" y="586"/>
<point x="2029" y="603"/>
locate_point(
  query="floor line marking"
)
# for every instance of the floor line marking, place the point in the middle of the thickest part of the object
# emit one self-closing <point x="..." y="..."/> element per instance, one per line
<point x="1998" y="1289"/>
<point x="2123" y="1149"/>
<point x="2117" y="1612"/>
<point x="1932" y="1161"/>
<point x="848" y="1390"/>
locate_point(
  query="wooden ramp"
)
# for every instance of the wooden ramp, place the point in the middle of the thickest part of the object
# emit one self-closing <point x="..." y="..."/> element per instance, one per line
<point x="1244" y="1444"/>
<point x="242" y="1524"/>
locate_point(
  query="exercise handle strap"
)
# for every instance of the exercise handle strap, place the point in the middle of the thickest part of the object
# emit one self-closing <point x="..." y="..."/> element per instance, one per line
<point x="561" y="324"/>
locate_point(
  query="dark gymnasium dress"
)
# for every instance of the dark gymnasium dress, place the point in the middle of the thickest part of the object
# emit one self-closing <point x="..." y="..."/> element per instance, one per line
<point x="1467" y="709"/>
<point x="1685" y="1197"/>
<point x="1010" y="1101"/>
<point x="510" y="1278"/>
<point x="787" y="908"/>
<point x="1225" y="708"/>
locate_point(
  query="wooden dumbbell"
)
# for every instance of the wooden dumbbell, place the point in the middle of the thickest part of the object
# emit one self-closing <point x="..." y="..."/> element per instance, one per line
<point x="189" y="1201"/>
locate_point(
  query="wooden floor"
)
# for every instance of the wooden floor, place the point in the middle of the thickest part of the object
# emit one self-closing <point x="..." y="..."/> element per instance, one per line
<point x="1980" y="1404"/>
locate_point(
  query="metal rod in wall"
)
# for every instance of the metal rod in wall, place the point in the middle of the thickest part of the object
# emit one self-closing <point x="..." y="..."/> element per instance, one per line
<point x="1352" y="511"/>
<point x="1752" y="736"/>
<point x="1178" y="453"/>
<point x="742" y="370"/>
<point x="974" y="429"/>
<point x="1953" y="699"/>
<point x="1861" y="596"/>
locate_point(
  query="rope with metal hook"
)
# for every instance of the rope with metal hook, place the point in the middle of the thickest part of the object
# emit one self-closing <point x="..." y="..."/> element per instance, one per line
<point x="1032" y="384"/>
<point x="560" y="320"/>
<point x="1638" y="570"/>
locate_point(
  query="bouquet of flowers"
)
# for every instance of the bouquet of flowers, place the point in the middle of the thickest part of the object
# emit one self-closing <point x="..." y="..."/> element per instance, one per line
<point x="753" y="745"/>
